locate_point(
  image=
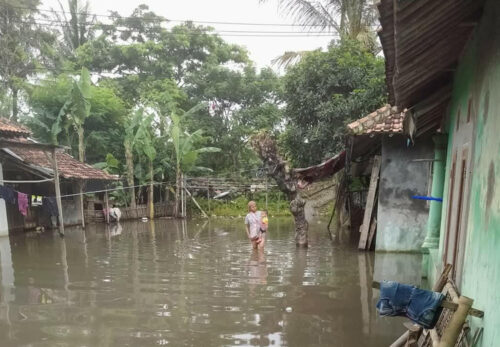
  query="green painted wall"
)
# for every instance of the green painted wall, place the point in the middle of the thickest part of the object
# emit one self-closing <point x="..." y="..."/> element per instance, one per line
<point x="478" y="79"/>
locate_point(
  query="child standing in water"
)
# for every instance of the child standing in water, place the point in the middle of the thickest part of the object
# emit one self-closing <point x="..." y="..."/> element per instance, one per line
<point x="264" y="224"/>
<point x="253" y="226"/>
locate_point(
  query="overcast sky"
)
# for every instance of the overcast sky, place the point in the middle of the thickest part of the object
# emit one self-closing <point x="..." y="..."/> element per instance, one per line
<point x="262" y="49"/>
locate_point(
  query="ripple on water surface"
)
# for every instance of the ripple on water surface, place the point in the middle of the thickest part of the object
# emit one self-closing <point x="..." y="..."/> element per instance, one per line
<point x="187" y="284"/>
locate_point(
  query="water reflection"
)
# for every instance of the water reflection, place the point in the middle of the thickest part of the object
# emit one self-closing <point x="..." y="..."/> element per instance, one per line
<point x="187" y="283"/>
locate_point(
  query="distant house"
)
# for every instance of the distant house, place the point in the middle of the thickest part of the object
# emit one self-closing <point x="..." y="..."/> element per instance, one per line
<point x="443" y="65"/>
<point x="404" y="172"/>
<point x="22" y="159"/>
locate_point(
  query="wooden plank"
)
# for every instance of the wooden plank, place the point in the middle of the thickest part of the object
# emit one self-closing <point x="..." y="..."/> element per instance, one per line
<point x="370" y="202"/>
<point x="371" y="234"/>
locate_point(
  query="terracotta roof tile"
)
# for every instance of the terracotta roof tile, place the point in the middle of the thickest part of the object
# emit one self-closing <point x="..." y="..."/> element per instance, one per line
<point x="10" y="128"/>
<point x="68" y="166"/>
<point x="386" y="120"/>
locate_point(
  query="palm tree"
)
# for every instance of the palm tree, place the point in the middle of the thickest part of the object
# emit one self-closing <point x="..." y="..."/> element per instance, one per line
<point x="77" y="27"/>
<point x="350" y="19"/>
<point x="186" y="153"/>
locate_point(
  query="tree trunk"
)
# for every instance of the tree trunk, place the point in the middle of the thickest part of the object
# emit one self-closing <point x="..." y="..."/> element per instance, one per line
<point x="301" y="225"/>
<point x="129" y="158"/>
<point x="81" y="144"/>
<point x="278" y="168"/>
<point x="14" y="104"/>
<point x="178" y="183"/>
<point x="151" y="192"/>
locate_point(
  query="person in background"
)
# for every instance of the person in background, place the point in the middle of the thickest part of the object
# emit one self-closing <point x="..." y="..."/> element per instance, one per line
<point x="252" y="225"/>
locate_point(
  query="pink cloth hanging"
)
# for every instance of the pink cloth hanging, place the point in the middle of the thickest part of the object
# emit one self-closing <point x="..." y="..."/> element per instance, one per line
<point x="22" y="203"/>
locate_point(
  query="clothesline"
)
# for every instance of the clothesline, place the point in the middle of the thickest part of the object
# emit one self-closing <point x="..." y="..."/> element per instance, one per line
<point x="123" y="188"/>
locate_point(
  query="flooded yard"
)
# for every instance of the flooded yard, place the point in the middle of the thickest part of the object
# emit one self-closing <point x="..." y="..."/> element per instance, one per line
<point x="194" y="283"/>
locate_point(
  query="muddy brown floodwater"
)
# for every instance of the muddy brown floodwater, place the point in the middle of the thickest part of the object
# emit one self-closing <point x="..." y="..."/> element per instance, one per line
<point x="193" y="283"/>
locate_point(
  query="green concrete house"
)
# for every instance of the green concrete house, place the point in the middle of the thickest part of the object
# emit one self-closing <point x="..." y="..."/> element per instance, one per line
<point x="443" y="66"/>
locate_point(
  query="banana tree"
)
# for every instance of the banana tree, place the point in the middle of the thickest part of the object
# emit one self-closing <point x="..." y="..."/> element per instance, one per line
<point x="75" y="111"/>
<point x="131" y="127"/>
<point x="186" y="154"/>
<point x="144" y="144"/>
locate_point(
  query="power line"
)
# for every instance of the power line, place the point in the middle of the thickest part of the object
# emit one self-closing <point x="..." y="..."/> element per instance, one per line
<point x="223" y="33"/>
<point x="102" y="26"/>
<point x="160" y="19"/>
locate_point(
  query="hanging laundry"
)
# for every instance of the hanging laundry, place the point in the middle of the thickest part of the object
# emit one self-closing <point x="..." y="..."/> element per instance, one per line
<point x="49" y="205"/>
<point x="22" y="203"/>
<point x="36" y="200"/>
<point x="8" y="194"/>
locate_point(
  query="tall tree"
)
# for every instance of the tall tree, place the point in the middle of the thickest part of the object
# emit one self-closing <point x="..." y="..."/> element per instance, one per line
<point x="24" y="45"/>
<point x="324" y="92"/>
<point x="77" y="25"/>
<point x="350" y="19"/>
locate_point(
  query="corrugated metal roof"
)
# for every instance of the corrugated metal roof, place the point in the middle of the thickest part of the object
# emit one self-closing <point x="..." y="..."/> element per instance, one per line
<point x="422" y="43"/>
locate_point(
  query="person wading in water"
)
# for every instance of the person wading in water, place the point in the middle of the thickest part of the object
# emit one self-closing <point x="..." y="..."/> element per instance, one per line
<point x="253" y="224"/>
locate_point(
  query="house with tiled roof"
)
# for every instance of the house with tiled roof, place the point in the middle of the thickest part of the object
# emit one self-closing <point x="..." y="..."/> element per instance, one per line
<point x="403" y="173"/>
<point x="27" y="166"/>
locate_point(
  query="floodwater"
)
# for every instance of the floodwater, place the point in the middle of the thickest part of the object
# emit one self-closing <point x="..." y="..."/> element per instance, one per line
<point x="193" y="283"/>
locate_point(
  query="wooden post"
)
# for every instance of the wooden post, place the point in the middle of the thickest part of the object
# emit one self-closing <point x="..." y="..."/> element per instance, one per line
<point x="370" y="202"/>
<point x="82" y="211"/>
<point x="279" y="201"/>
<point x="266" y="192"/>
<point x="151" y="193"/>
<point x="106" y="204"/>
<point x="208" y="198"/>
<point x="182" y="196"/>
<point x="58" y="192"/>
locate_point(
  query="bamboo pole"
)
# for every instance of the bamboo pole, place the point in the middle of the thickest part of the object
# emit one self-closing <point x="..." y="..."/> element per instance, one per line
<point x="57" y="185"/>
<point x="452" y="331"/>
<point x="196" y="202"/>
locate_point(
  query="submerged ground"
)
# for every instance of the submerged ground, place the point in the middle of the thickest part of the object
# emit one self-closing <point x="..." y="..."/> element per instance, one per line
<point x="193" y="283"/>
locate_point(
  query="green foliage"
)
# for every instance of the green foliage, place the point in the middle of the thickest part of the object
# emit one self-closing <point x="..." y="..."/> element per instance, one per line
<point x="187" y="146"/>
<point x="323" y="93"/>
<point x="76" y="109"/>
<point x="103" y="127"/>
<point x="25" y="46"/>
<point x="238" y="206"/>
